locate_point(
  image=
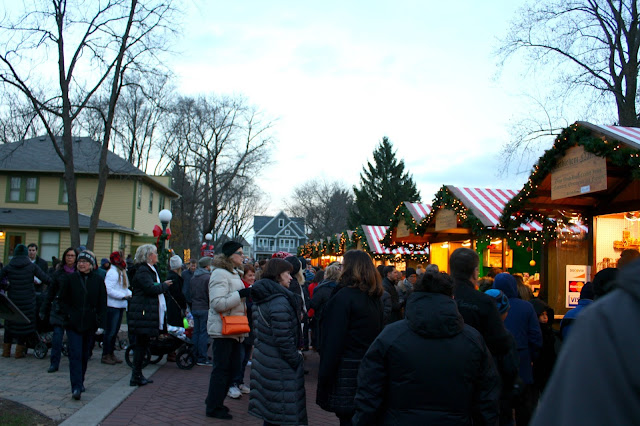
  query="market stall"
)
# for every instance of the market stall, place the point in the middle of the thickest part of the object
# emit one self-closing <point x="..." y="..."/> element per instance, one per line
<point x="368" y="238"/>
<point x="589" y="181"/>
<point x="404" y="222"/>
<point x="469" y="217"/>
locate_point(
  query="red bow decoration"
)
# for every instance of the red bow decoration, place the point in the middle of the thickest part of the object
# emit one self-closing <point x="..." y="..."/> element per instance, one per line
<point x="157" y="231"/>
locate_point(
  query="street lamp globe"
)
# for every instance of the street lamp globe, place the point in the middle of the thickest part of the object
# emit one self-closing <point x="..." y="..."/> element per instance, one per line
<point x="165" y="216"/>
<point x="208" y="236"/>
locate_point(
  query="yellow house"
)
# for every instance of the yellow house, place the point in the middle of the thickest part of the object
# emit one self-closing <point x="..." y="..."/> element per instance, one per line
<point x="33" y="207"/>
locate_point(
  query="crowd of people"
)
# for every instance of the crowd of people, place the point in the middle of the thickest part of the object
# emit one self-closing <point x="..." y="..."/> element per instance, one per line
<point x="417" y="346"/>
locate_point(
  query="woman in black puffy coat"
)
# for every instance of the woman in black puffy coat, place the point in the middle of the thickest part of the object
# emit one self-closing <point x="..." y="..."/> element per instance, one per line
<point x="20" y="272"/>
<point x="352" y="319"/>
<point x="277" y="373"/>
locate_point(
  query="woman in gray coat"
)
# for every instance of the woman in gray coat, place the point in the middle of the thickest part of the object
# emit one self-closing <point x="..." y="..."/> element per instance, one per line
<point x="277" y="373"/>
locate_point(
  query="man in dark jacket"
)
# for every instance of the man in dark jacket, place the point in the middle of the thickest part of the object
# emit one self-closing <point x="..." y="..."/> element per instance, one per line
<point x="596" y="370"/>
<point x="391" y="277"/>
<point x="42" y="264"/>
<point x="478" y="310"/>
<point x="83" y="302"/>
<point x="186" y="280"/>
<point x="200" y="309"/>
<point x="430" y="368"/>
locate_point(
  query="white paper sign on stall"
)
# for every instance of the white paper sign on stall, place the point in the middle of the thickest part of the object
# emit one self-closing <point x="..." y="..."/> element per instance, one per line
<point x="577" y="276"/>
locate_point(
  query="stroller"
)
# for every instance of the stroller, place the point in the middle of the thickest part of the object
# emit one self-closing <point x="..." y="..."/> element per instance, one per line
<point x="178" y="340"/>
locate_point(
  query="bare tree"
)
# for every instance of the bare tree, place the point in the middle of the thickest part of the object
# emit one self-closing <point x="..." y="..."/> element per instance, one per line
<point x="223" y="142"/>
<point x="95" y="45"/>
<point x="324" y="205"/>
<point x="589" y="49"/>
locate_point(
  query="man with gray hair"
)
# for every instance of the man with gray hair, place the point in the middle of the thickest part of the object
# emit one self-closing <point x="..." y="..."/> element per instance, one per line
<point x="200" y="309"/>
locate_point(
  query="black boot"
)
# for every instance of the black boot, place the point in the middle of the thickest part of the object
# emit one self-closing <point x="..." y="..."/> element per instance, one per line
<point x="137" y="379"/>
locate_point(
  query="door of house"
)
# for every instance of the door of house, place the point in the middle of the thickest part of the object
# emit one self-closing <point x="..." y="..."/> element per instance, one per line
<point x="13" y="239"/>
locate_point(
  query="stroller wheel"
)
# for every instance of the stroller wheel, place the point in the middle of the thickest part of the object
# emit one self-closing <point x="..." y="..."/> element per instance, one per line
<point x="128" y="356"/>
<point x="185" y="359"/>
<point x="40" y="350"/>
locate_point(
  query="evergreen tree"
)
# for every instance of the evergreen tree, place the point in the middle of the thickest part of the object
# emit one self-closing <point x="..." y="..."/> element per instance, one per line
<point x="382" y="187"/>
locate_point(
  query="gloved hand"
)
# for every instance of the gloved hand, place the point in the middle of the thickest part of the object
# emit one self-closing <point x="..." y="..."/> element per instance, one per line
<point x="245" y="292"/>
<point x="100" y="331"/>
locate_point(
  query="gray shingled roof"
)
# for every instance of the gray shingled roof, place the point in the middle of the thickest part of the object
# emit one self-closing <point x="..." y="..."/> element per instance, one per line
<point x="38" y="155"/>
<point x="35" y="218"/>
<point x="260" y="221"/>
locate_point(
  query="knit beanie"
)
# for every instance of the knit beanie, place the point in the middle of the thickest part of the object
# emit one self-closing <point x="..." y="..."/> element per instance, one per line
<point x="85" y="255"/>
<point x="502" y="301"/>
<point x="295" y="263"/>
<point x="587" y="291"/>
<point x="175" y="262"/>
<point x="230" y="247"/>
<point x="20" y="250"/>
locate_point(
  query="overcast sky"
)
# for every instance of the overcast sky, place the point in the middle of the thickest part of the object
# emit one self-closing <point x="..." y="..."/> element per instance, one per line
<point x="340" y="75"/>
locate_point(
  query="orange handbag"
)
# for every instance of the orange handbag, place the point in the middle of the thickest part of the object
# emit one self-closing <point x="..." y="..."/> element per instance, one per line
<point x="234" y="324"/>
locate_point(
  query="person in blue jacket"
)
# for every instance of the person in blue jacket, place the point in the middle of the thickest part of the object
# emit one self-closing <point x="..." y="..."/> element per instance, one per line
<point x="522" y="323"/>
<point x="586" y="298"/>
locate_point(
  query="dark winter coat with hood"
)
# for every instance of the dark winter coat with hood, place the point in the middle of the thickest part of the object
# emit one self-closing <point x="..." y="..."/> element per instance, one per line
<point x="20" y="272"/>
<point x="321" y="295"/>
<point x="277" y="371"/>
<point x="480" y="312"/>
<point x="428" y="369"/>
<point x="176" y="302"/>
<point x="143" y="315"/>
<point x="200" y="289"/>
<point x="543" y="364"/>
<point x="352" y="320"/>
<point x="522" y="323"/>
<point x="83" y="301"/>
<point x="597" y="368"/>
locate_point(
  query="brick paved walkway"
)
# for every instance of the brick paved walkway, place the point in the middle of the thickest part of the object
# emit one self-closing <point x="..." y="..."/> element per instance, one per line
<point x="177" y="398"/>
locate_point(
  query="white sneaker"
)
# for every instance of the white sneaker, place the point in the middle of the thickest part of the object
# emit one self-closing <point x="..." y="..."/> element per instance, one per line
<point x="234" y="392"/>
<point x="244" y="389"/>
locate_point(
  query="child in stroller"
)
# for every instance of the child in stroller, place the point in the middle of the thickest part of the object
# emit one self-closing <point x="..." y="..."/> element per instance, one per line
<point x="176" y="339"/>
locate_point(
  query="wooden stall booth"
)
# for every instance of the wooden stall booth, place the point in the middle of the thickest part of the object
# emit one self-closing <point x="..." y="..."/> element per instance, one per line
<point x="368" y="238"/>
<point x="469" y="217"/>
<point x="327" y="250"/>
<point x="586" y="191"/>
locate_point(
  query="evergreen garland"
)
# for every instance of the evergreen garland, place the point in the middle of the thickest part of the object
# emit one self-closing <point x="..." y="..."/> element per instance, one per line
<point x="571" y="136"/>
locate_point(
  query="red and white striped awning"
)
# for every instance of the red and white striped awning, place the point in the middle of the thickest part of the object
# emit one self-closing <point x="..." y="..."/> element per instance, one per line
<point x="487" y="205"/>
<point x="627" y="135"/>
<point x="418" y="210"/>
<point x="374" y="234"/>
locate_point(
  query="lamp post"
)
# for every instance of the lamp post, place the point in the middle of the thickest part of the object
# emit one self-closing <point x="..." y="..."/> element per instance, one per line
<point x="165" y="217"/>
<point x="206" y="246"/>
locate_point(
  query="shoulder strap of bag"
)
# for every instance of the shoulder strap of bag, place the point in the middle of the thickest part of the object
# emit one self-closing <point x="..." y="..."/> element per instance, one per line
<point x="262" y="316"/>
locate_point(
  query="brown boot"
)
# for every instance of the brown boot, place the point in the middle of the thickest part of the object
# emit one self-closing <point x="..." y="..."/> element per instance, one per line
<point x="20" y="351"/>
<point x="116" y="359"/>
<point x="106" y="359"/>
<point x="6" y="350"/>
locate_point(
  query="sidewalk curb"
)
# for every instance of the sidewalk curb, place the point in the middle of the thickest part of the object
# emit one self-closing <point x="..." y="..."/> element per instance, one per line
<point x="101" y="406"/>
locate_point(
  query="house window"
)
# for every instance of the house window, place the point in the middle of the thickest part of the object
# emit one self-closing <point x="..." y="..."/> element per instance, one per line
<point x="287" y="243"/>
<point x="139" y="195"/>
<point x="84" y="236"/>
<point x="123" y="242"/>
<point x="63" y="198"/>
<point x="49" y="244"/>
<point x="272" y="244"/>
<point x="160" y="203"/>
<point x="150" y="200"/>
<point x="23" y="189"/>
<point x="280" y="223"/>
<point x="287" y="232"/>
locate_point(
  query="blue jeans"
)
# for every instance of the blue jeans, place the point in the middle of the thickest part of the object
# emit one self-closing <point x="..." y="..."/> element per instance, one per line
<point x="79" y="348"/>
<point x="111" y="328"/>
<point x="56" y="345"/>
<point x="245" y="353"/>
<point x="200" y="336"/>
